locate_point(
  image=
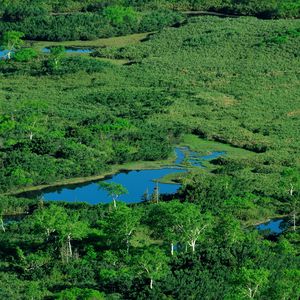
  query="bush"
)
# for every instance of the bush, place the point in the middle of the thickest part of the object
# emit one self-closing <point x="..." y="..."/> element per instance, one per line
<point x="25" y="55"/>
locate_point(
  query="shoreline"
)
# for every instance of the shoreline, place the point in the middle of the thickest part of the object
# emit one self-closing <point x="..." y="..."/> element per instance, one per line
<point x="132" y="166"/>
<point x="204" y="147"/>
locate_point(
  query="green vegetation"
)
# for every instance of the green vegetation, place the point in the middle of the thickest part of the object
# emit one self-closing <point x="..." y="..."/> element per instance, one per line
<point x="212" y="84"/>
<point x="55" y="20"/>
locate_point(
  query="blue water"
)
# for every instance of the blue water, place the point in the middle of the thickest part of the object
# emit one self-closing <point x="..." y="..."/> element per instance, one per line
<point x="3" y="54"/>
<point x="180" y="156"/>
<point x="213" y="155"/>
<point x="194" y="158"/>
<point x="138" y="183"/>
<point x="71" y="50"/>
<point x="273" y="226"/>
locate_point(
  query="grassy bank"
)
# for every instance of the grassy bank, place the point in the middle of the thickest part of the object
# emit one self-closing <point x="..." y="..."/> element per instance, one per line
<point x="139" y="165"/>
<point x="120" y="41"/>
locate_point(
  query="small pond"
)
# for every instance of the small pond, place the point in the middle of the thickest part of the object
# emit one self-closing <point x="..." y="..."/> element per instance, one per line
<point x="71" y="50"/>
<point x="137" y="182"/>
<point x="3" y="54"/>
<point x="275" y="226"/>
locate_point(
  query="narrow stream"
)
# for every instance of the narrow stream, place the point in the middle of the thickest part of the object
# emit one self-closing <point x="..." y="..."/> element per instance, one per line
<point x="70" y="50"/>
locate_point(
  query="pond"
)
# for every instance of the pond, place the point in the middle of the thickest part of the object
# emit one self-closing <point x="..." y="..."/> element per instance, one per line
<point x="71" y="50"/>
<point x="3" y="54"/>
<point x="274" y="226"/>
<point x="139" y="183"/>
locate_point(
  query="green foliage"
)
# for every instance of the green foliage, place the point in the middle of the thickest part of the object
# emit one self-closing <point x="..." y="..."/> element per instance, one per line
<point x="80" y="294"/>
<point x="87" y="115"/>
<point x="114" y="190"/>
<point x="153" y="264"/>
<point x="118" y="15"/>
<point x="112" y="21"/>
<point x="11" y="41"/>
<point x="25" y="55"/>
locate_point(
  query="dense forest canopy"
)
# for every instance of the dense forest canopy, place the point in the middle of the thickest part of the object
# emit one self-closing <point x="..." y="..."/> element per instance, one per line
<point x="199" y="82"/>
<point x="56" y="20"/>
<point x="271" y="7"/>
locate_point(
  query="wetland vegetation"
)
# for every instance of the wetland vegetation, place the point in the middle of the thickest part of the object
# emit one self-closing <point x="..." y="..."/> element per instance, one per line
<point x="223" y="90"/>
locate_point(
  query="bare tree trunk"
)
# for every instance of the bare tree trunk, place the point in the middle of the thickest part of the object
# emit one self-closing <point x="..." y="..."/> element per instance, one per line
<point x="2" y="224"/>
<point x="151" y="283"/>
<point x="9" y="55"/>
<point x="69" y="245"/>
<point x="172" y="249"/>
<point x="193" y="244"/>
<point x="30" y="135"/>
<point x="115" y="203"/>
<point x="294" y="220"/>
<point x="127" y="245"/>
<point x="291" y="190"/>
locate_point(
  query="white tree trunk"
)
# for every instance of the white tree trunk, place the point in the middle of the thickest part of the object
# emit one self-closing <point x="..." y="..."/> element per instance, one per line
<point x="193" y="245"/>
<point x="115" y="203"/>
<point x="294" y="220"/>
<point x="151" y="283"/>
<point x="172" y="249"/>
<point x="9" y="55"/>
<point x="2" y="224"/>
<point x="70" y="246"/>
<point x="291" y="190"/>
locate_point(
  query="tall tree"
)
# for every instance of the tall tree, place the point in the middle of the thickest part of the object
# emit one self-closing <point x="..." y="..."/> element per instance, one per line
<point x="192" y="224"/>
<point x="1" y="221"/>
<point x="114" y="190"/>
<point x="120" y="225"/>
<point x="55" y="220"/>
<point x="252" y="281"/>
<point x="154" y="264"/>
<point x="291" y="183"/>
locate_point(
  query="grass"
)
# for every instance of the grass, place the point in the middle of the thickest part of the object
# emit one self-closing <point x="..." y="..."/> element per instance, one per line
<point x="221" y="84"/>
<point x="142" y="238"/>
<point x="120" y="41"/>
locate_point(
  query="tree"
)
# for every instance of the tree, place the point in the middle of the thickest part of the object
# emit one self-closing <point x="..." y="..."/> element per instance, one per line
<point x="117" y="15"/>
<point x="1" y="221"/>
<point x="114" y="190"/>
<point x="191" y="224"/>
<point x="154" y="264"/>
<point x="288" y="284"/>
<point x="177" y="222"/>
<point x="11" y="41"/>
<point x="252" y="280"/>
<point x="121" y="224"/>
<point x="55" y="220"/>
<point x="291" y="182"/>
<point x="56" y="55"/>
<point x="77" y="293"/>
<point x="164" y="219"/>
